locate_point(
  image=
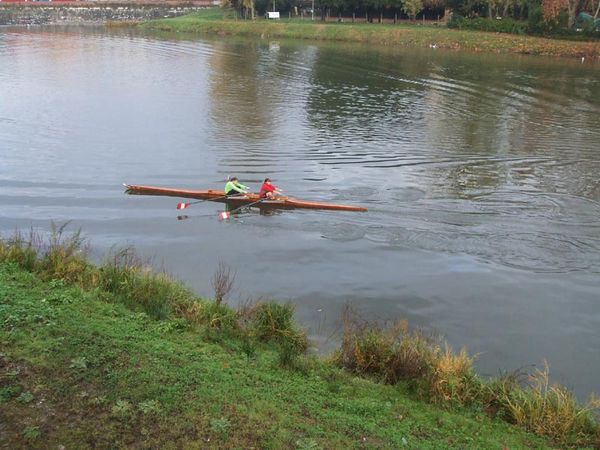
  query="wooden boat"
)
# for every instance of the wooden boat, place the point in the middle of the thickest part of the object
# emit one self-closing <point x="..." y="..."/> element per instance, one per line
<point x="219" y="196"/>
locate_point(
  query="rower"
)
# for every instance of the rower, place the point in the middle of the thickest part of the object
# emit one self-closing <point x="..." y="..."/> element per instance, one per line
<point x="268" y="190"/>
<point x="234" y="187"/>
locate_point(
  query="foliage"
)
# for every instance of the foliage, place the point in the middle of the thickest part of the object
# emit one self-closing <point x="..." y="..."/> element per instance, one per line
<point x="150" y="407"/>
<point x="79" y="363"/>
<point x="307" y="444"/>
<point x="220" y="426"/>
<point x="552" y="8"/>
<point x="395" y="353"/>
<point x="535" y="19"/>
<point x="491" y="25"/>
<point x="61" y="257"/>
<point x="19" y="250"/>
<point x="549" y="409"/>
<point x="122" y="410"/>
<point x="412" y="7"/>
<point x="31" y="433"/>
<point x="25" y="397"/>
<point x="274" y="322"/>
<point x="71" y="343"/>
<point x="144" y="388"/>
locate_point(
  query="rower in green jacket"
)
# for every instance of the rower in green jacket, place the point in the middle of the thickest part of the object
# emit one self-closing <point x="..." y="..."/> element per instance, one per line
<point x="234" y="187"/>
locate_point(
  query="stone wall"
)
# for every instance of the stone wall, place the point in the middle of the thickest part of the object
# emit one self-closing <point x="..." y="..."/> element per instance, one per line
<point x="61" y="14"/>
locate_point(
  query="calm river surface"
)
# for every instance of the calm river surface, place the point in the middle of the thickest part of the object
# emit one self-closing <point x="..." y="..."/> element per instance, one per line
<point x="481" y="172"/>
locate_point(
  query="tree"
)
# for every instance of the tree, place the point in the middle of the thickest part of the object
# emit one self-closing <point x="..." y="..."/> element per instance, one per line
<point x="434" y="5"/>
<point x="249" y="5"/>
<point x="551" y="10"/>
<point x="412" y="8"/>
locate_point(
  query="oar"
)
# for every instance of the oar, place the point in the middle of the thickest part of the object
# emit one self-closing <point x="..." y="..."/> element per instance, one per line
<point x="185" y="205"/>
<point x="227" y="214"/>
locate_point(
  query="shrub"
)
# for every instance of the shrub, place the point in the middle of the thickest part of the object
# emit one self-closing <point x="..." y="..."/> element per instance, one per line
<point x="61" y="257"/>
<point x="549" y="409"/>
<point x="455" y="20"/>
<point x="157" y="294"/>
<point x="453" y="379"/>
<point x="505" y="25"/>
<point x="495" y="391"/>
<point x="391" y="353"/>
<point x="122" y="410"/>
<point x="64" y="257"/>
<point x="19" y="250"/>
<point x="273" y="322"/>
<point x="535" y="19"/>
<point x="396" y="353"/>
<point x="215" y="315"/>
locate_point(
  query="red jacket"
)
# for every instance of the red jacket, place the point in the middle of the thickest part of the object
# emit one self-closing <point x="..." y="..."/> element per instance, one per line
<point x="266" y="188"/>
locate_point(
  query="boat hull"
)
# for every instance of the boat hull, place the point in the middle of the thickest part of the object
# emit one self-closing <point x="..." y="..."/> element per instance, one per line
<point x="219" y="196"/>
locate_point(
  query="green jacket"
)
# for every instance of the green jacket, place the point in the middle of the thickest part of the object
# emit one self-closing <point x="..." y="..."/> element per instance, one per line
<point x="235" y="186"/>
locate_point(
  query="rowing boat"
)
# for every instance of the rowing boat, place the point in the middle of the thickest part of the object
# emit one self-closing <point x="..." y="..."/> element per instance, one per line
<point x="219" y="196"/>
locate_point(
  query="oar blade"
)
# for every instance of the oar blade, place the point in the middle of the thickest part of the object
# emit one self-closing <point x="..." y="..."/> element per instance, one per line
<point x="224" y="215"/>
<point x="182" y="205"/>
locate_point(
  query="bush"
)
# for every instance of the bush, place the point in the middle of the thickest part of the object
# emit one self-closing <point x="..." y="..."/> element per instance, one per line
<point x="390" y="354"/>
<point x="19" y="250"/>
<point x="274" y="322"/>
<point x="157" y="294"/>
<point x="453" y="379"/>
<point x="455" y="20"/>
<point x="65" y="257"/>
<point x="215" y="315"/>
<point x="395" y="353"/>
<point x="61" y="257"/>
<point x="535" y="19"/>
<point x="505" y="25"/>
<point x="549" y="410"/>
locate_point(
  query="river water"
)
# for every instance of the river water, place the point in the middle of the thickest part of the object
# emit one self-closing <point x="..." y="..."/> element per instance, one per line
<point x="481" y="174"/>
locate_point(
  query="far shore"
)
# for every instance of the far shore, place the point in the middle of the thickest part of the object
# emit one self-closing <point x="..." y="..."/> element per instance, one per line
<point x="433" y="35"/>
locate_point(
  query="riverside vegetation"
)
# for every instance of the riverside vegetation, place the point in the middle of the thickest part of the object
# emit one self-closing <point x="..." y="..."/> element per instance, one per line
<point x="118" y="356"/>
<point x="221" y="22"/>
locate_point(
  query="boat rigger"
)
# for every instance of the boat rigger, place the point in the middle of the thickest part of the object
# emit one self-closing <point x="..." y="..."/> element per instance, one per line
<point x="247" y="199"/>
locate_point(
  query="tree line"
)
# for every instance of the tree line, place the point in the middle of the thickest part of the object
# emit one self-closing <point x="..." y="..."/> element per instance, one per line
<point x="536" y="16"/>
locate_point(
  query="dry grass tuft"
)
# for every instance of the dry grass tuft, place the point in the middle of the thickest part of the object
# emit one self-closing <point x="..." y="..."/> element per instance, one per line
<point x="61" y="256"/>
<point x="452" y="378"/>
<point x="394" y="353"/>
<point x="550" y="409"/>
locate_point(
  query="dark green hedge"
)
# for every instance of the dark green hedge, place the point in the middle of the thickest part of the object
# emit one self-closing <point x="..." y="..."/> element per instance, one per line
<point x="493" y="25"/>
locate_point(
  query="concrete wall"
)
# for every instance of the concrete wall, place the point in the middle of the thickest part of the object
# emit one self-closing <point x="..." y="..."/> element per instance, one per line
<point x="49" y="14"/>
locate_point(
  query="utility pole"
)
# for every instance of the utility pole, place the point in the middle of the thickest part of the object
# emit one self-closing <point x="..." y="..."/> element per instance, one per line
<point x="312" y="11"/>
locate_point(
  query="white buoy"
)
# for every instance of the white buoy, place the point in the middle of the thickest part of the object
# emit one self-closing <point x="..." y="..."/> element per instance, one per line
<point x="582" y="59"/>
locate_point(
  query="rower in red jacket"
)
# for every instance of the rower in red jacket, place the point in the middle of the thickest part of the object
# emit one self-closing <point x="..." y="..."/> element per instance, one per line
<point x="268" y="190"/>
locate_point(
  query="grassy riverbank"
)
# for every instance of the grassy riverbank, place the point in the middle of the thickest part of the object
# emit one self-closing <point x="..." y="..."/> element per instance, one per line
<point x="403" y="35"/>
<point x="116" y="356"/>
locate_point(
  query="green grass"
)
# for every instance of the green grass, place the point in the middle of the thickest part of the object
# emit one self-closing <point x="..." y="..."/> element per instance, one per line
<point x="216" y="21"/>
<point x="81" y="370"/>
<point x="121" y="351"/>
